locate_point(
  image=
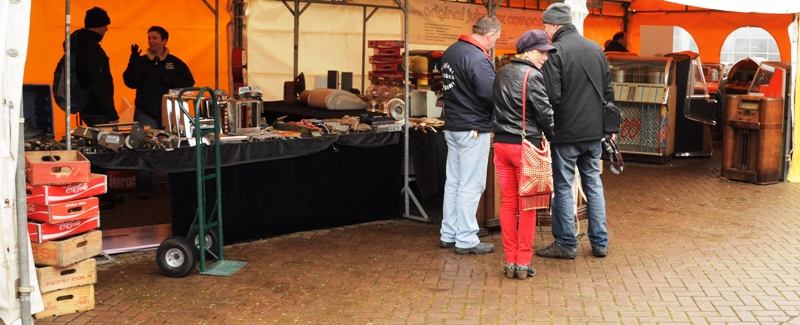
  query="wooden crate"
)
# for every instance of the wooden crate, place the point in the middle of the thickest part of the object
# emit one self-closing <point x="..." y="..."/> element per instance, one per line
<point x="67" y="301"/>
<point x="58" y="167"/>
<point x="53" y="278"/>
<point x="68" y="251"/>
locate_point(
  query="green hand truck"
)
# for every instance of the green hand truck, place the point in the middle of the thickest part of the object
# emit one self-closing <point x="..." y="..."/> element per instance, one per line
<point x="176" y="255"/>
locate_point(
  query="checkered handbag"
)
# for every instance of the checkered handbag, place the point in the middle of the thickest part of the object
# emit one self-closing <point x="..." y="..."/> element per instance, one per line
<point x="536" y="168"/>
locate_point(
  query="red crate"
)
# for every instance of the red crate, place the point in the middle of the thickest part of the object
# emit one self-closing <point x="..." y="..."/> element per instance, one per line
<point x="64" y="211"/>
<point x="41" y="232"/>
<point x="373" y="44"/>
<point x="49" y="194"/>
<point x="385" y="67"/>
<point x="386" y="59"/>
<point x="59" y="167"/>
<point x="388" y="51"/>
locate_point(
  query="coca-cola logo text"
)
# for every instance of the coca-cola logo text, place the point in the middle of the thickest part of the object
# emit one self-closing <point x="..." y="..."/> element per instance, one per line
<point x="77" y="188"/>
<point x="69" y="225"/>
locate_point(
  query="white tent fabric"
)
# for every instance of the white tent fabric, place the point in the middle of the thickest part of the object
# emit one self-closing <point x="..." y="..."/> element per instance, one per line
<point x="760" y="6"/>
<point x="578" y="11"/>
<point x="15" y="17"/>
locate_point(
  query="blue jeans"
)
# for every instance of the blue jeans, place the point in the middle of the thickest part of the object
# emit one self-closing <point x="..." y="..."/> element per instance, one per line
<point x="144" y="177"/>
<point x="587" y="157"/>
<point x="467" y="160"/>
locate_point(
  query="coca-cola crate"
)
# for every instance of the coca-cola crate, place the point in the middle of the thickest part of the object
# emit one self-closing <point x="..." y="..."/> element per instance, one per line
<point x="41" y="232"/>
<point x="122" y="180"/>
<point x="385" y="67"/>
<point x="53" y="278"/>
<point x="385" y="43"/>
<point x="386" y="59"/>
<point x="67" y="301"/>
<point x="68" y="251"/>
<point x="386" y="51"/>
<point x="58" y="167"/>
<point x="49" y="194"/>
<point x="64" y="211"/>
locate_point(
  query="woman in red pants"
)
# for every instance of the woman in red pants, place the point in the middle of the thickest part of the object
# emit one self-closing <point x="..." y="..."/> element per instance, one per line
<point x="518" y="232"/>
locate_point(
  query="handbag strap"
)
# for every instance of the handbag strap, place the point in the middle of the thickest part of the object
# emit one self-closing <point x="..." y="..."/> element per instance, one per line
<point x="594" y="85"/>
<point x="524" y="99"/>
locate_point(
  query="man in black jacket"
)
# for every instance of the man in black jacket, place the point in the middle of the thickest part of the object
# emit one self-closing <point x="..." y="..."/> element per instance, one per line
<point x="576" y="75"/>
<point x="153" y="75"/>
<point x="93" y="70"/>
<point x="617" y="44"/>
<point x="468" y="75"/>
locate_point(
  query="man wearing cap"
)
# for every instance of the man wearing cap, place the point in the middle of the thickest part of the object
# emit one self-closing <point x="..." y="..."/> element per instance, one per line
<point x="93" y="68"/>
<point x="518" y="232"/>
<point x="571" y="75"/>
<point x="467" y="74"/>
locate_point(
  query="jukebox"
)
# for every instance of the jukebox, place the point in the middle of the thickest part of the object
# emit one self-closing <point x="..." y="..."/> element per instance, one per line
<point x="754" y="148"/>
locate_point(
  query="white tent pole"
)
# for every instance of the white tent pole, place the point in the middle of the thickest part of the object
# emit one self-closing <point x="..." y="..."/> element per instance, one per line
<point x="22" y="229"/>
<point x="67" y="71"/>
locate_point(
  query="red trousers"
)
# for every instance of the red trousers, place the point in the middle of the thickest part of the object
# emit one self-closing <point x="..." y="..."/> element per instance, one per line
<point x="518" y="233"/>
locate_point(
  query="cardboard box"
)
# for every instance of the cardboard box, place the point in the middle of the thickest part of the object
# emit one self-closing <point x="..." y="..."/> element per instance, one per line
<point x="49" y="194"/>
<point x="58" y="167"/>
<point x="68" y="251"/>
<point x="65" y="211"/>
<point x="53" y="278"/>
<point x="67" y="301"/>
<point x="40" y="232"/>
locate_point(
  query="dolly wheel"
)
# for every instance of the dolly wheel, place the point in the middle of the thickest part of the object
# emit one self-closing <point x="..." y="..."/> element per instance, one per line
<point x="211" y="241"/>
<point x="175" y="257"/>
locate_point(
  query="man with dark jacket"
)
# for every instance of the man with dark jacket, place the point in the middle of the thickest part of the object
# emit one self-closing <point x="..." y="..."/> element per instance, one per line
<point x="92" y="68"/>
<point x="153" y="75"/>
<point x="468" y="75"/>
<point x="575" y="76"/>
<point x="617" y="44"/>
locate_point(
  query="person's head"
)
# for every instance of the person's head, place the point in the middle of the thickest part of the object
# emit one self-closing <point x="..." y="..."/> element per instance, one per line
<point x="157" y="38"/>
<point x="555" y="16"/>
<point x="486" y="30"/>
<point x="620" y="38"/>
<point x="533" y="46"/>
<point x="96" y="20"/>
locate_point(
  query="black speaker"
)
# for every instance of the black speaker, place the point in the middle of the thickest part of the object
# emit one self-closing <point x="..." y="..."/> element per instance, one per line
<point x="333" y="79"/>
<point x="38" y="107"/>
<point x="347" y="81"/>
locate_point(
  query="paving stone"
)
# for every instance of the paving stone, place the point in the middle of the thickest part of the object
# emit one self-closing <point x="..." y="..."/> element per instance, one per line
<point x="686" y="247"/>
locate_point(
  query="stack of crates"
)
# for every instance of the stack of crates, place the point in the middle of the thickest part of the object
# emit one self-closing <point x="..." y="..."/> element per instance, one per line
<point x="63" y="215"/>
<point x="387" y="62"/>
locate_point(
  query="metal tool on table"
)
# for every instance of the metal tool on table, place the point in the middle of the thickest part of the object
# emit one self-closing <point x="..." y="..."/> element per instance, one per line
<point x="176" y="255"/>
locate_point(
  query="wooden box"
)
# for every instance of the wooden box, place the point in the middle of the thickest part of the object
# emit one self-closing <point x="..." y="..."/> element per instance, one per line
<point x="40" y="232"/>
<point x="65" y="211"/>
<point x="68" y="251"/>
<point x="67" y="301"/>
<point x="53" y="278"/>
<point x="56" y="167"/>
<point x="49" y="194"/>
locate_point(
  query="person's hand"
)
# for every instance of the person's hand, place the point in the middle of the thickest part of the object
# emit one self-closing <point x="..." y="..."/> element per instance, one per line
<point x="614" y="136"/>
<point x="135" y="51"/>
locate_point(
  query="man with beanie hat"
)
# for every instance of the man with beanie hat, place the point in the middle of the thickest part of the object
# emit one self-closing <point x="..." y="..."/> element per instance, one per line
<point x="467" y="75"/>
<point x="93" y="70"/>
<point x="575" y="76"/>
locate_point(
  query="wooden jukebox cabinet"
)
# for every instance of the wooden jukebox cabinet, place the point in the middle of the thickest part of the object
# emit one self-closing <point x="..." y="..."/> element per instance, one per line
<point x="645" y="94"/>
<point x="753" y="141"/>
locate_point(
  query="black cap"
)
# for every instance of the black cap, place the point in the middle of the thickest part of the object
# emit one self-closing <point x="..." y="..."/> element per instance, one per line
<point x="96" y="17"/>
<point x="557" y="14"/>
<point x="534" y="39"/>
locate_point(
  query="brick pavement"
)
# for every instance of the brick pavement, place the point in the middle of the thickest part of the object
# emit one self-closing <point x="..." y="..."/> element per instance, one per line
<point x="686" y="247"/>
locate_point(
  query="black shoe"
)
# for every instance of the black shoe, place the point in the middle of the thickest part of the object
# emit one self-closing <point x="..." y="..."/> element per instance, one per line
<point x="446" y="244"/>
<point x="556" y="251"/>
<point x="525" y="271"/>
<point x="598" y="251"/>
<point x="509" y="269"/>
<point x="481" y="248"/>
